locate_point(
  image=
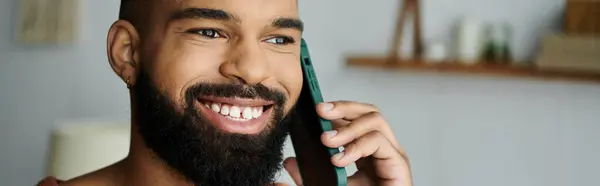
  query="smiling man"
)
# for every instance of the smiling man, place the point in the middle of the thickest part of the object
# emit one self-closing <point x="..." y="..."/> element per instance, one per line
<point x="213" y="85"/>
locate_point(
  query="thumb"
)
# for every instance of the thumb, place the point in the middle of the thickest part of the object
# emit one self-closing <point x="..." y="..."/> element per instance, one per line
<point x="291" y="166"/>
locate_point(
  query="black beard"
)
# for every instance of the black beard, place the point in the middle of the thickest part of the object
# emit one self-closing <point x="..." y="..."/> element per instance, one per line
<point x="204" y="154"/>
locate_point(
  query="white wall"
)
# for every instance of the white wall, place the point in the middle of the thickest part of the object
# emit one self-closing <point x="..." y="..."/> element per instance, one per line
<point x="459" y="131"/>
<point x="42" y="84"/>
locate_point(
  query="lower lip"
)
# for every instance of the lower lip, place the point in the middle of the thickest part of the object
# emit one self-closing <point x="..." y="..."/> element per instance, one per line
<point x="252" y="126"/>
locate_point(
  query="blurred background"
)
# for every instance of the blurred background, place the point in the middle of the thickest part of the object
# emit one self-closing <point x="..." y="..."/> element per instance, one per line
<point x="531" y="120"/>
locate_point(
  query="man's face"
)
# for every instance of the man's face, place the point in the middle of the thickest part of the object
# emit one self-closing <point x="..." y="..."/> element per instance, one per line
<point x="244" y="42"/>
<point x="215" y="84"/>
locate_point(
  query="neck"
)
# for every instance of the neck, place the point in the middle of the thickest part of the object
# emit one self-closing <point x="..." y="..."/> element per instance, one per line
<point x="142" y="167"/>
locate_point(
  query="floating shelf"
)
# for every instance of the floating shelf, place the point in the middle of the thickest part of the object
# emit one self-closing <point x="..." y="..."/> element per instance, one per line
<point x="476" y="69"/>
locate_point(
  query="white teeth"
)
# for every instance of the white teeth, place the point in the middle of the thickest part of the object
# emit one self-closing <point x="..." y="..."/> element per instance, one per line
<point x="235" y="111"/>
<point x="254" y="112"/>
<point x="225" y="110"/>
<point x="247" y="113"/>
<point x="257" y="112"/>
<point x="215" y="107"/>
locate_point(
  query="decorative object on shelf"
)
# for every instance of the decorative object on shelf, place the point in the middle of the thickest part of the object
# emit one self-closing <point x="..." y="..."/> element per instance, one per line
<point x="48" y="21"/>
<point x="436" y="52"/>
<point x="79" y="147"/>
<point x="406" y="8"/>
<point x="497" y="47"/>
<point x="569" y="53"/>
<point x="582" y="17"/>
<point x="469" y="40"/>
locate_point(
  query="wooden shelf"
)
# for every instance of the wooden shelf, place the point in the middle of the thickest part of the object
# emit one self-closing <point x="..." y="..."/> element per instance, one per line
<point x="476" y="69"/>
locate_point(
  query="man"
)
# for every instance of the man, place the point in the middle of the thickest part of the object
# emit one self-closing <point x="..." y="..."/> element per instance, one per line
<point x="213" y="85"/>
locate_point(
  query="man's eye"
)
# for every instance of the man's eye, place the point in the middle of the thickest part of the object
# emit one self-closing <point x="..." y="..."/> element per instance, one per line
<point x="281" y="40"/>
<point x="210" y="33"/>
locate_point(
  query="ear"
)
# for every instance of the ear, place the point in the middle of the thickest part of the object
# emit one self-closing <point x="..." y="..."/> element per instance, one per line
<point x="123" y="54"/>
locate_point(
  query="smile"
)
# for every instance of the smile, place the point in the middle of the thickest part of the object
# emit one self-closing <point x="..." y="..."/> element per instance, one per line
<point x="236" y="115"/>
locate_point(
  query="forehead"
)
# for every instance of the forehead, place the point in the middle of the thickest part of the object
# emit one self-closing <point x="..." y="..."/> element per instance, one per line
<point x="242" y="9"/>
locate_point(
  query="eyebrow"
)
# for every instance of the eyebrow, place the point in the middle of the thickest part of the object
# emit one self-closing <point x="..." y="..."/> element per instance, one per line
<point x="203" y="13"/>
<point x="288" y="23"/>
<point x="220" y="15"/>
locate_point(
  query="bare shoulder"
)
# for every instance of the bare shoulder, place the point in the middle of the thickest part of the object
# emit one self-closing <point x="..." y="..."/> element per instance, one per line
<point x="89" y="179"/>
<point x="107" y="176"/>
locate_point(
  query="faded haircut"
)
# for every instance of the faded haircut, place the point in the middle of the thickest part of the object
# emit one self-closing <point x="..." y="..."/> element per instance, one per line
<point x="126" y="9"/>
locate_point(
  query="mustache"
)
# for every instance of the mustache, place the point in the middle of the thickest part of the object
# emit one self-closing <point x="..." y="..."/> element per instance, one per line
<point x="255" y="91"/>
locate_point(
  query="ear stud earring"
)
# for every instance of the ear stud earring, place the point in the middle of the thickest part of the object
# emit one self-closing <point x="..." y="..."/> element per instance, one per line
<point x="128" y="82"/>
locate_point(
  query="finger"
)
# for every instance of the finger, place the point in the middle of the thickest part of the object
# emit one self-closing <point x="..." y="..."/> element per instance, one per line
<point x="386" y="158"/>
<point x="339" y="123"/>
<point x="346" y="110"/>
<point x="360" y="179"/>
<point x="344" y="134"/>
<point x="291" y="166"/>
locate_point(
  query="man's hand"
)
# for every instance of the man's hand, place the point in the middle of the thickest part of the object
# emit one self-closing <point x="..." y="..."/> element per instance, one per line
<point x="368" y="141"/>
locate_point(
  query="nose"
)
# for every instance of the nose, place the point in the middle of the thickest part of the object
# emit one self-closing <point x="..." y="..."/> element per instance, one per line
<point x="246" y="63"/>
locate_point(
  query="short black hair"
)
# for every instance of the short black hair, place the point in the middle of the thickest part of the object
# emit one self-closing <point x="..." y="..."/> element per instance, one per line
<point x="125" y="9"/>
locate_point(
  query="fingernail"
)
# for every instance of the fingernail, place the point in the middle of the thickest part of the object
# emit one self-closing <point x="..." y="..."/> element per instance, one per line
<point x="327" y="106"/>
<point x="338" y="156"/>
<point x="331" y="133"/>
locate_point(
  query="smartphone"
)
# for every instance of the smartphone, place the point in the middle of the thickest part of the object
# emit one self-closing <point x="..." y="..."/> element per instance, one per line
<point x="314" y="158"/>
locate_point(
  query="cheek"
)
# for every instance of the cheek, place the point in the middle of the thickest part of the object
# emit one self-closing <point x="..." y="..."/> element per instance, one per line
<point x="180" y="65"/>
<point x="289" y="74"/>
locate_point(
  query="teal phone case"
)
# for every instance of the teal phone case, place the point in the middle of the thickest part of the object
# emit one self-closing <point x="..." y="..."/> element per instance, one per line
<point x="327" y="172"/>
